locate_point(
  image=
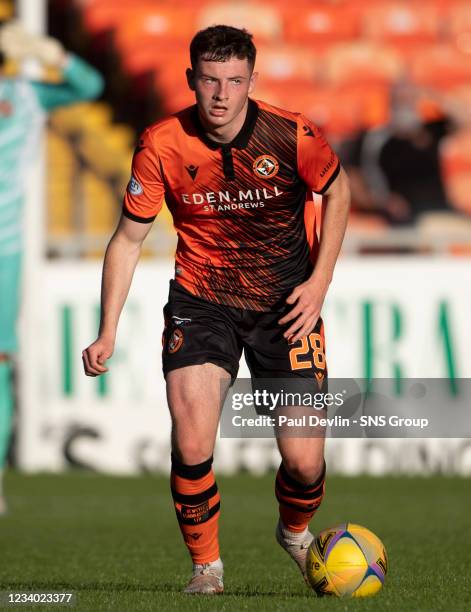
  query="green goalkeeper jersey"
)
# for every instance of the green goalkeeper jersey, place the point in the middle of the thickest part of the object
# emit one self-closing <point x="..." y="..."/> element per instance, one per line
<point x="23" y="107"/>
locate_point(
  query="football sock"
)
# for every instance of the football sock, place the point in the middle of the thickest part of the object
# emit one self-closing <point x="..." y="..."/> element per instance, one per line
<point x="293" y="536"/>
<point x="196" y="499"/>
<point x="6" y="409"/>
<point x="298" y="502"/>
<point x="217" y="565"/>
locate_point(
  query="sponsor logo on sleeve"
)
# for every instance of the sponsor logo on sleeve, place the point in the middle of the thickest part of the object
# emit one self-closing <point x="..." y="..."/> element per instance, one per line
<point x="134" y="187"/>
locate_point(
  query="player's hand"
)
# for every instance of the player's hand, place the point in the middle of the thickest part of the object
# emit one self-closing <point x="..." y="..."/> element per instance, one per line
<point x="19" y="44"/>
<point x="308" y="297"/>
<point x="95" y="356"/>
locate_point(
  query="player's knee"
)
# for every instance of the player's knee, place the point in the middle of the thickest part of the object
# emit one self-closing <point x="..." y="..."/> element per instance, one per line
<point x="192" y="452"/>
<point x="304" y="469"/>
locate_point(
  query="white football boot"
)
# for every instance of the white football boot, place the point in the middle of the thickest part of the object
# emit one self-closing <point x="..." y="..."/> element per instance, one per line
<point x="296" y="545"/>
<point x="207" y="579"/>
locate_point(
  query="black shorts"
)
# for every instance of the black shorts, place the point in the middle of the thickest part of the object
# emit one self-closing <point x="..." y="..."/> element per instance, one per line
<point x="197" y="331"/>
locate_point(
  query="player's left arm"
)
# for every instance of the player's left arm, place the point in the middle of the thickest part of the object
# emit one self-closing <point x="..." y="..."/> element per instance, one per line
<point x="324" y="173"/>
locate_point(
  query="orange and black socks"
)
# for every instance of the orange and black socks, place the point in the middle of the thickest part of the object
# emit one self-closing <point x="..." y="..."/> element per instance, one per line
<point x="298" y="502"/>
<point x="197" y="502"/>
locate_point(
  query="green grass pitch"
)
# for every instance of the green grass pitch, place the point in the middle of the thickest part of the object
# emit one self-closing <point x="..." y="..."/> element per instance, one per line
<point x="115" y="543"/>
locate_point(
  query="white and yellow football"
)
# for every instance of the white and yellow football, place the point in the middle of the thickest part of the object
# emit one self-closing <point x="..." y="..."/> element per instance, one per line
<point x="347" y="561"/>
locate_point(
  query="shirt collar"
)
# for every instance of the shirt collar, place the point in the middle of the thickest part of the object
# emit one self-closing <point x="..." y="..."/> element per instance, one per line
<point x="241" y="140"/>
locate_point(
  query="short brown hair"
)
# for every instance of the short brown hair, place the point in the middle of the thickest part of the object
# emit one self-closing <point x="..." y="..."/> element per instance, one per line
<point x="219" y="43"/>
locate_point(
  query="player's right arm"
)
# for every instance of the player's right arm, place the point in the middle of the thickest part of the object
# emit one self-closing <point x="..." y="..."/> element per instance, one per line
<point x="120" y="262"/>
<point x="142" y="202"/>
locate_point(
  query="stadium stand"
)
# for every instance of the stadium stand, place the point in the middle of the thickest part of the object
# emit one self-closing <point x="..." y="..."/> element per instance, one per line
<point x="334" y="60"/>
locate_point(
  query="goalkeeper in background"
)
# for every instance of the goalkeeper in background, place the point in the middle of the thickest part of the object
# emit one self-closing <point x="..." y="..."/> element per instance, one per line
<point x="23" y="107"/>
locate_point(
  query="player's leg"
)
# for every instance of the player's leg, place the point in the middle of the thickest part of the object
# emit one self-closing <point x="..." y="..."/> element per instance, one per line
<point x="299" y="368"/>
<point x="194" y="397"/>
<point x="200" y="356"/>
<point x="9" y="306"/>
<point x="299" y="489"/>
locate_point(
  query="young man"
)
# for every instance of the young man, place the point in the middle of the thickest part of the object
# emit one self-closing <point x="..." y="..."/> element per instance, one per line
<point x="23" y="107"/>
<point x="234" y="173"/>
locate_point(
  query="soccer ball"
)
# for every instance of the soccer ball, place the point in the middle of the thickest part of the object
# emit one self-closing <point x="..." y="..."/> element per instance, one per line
<point x="347" y="561"/>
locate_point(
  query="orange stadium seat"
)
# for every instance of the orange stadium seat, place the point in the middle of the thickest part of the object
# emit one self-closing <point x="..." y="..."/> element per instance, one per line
<point x="170" y="82"/>
<point x="101" y="15"/>
<point x="459" y="25"/>
<point x="144" y="58"/>
<point x="261" y="20"/>
<point x="362" y="62"/>
<point x="402" y="21"/>
<point x="287" y="64"/>
<point x="320" y="23"/>
<point x="439" y="66"/>
<point x="156" y="28"/>
<point x="339" y="110"/>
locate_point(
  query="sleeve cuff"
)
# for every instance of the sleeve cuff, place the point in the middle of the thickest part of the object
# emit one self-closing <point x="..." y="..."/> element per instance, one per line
<point x="332" y="178"/>
<point x="133" y="217"/>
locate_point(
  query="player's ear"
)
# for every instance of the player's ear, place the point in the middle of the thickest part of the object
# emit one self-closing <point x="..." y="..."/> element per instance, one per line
<point x="253" y="81"/>
<point x="190" y="78"/>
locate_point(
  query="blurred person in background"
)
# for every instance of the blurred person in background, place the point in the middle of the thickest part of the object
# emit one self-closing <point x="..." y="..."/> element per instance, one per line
<point x="23" y="107"/>
<point x="395" y="170"/>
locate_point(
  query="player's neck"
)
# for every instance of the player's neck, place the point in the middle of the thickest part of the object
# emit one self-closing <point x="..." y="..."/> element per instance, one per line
<point x="227" y="133"/>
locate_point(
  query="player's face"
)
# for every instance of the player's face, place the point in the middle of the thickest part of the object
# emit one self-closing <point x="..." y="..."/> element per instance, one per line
<point x="222" y="89"/>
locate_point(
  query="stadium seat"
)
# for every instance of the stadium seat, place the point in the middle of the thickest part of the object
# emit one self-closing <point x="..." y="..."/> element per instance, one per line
<point x="100" y="210"/>
<point x="156" y="28"/>
<point x="261" y="20"/>
<point x="362" y="62"/>
<point x="320" y="23"/>
<point x="86" y="148"/>
<point x="144" y="56"/>
<point x="102" y="15"/>
<point x="405" y="21"/>
<point x="441" y="66"/>
<point x="62" y="166"/>
<point x="342" y="110"/>
<point x="459" y="25"/>
<point x="87" y="115"/>
<point x="7" y="9"/>
<point x="170" y="77"/>
<point x="286" y="64"/>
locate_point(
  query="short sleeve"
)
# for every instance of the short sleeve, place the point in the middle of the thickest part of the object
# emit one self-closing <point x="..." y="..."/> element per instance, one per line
<point x="145" y="191"/>
<point x="318" y="165"/>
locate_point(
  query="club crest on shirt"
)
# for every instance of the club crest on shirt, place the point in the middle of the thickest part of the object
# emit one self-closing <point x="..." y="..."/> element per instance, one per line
<point x="134" y="187"/>
<point x="266" y="166"/>
<point x="175" y="341"/>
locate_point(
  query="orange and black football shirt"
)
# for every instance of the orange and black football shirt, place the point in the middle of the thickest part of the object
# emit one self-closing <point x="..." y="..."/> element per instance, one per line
<point x="238" y="208"/>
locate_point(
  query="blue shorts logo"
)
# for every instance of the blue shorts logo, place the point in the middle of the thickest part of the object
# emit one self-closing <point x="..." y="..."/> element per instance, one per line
<point x="134" y="187"/>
